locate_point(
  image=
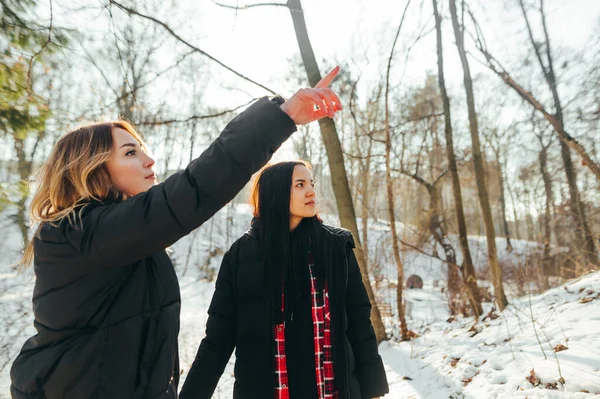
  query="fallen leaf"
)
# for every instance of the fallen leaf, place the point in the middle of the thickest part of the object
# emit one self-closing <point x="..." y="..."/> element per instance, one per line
<point x="491" y="315"/>
<point x="533" y="379"/>
<point x="560" y="348"/>
<point x="586" y="300"/>
<point x="474" y="330"/>
<point x="454" y="361"/>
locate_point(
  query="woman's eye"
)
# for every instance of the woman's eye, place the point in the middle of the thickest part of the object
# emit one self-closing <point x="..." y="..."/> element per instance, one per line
<point x="128" y="153"/>
<point x="300" y="185"/>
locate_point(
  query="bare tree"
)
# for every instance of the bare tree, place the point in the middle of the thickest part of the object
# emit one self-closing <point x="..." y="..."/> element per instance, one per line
<point x="364" y="156"/>
<point x="495" y="138"/>
<point x="571" y="173"/>
<point x="549" y="204"/>
<point x="425" y="167"/>
<point x="339" y="179"/>
<point x="555" y="120"/>
<point x="495" y="270"/>
<point x="390" y="194"/>
<point x="468" y="270"/>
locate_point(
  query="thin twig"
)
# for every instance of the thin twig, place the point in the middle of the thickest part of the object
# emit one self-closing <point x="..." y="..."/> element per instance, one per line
<point x="131" y="11"/>
<point x="48" y="41"/>
<point x="191" y="118"/>
<point x="247" y="6"/>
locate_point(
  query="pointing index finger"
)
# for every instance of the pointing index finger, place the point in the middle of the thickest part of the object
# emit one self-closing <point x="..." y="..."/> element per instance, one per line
<point x="326" y="81"/>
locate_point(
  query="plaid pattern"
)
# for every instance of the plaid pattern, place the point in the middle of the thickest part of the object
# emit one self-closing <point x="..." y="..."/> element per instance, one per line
<point x="322" y="335"/>
<point x="322" y="338"/>
<point x="282" y="390"/>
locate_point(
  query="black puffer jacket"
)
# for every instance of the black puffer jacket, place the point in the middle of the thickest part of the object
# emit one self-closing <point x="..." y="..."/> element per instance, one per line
<point x="106" y="297"/>
<point x="240" y="317"/>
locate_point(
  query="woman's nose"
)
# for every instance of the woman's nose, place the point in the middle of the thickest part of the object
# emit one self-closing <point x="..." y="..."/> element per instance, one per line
<point x="149" y="162"/>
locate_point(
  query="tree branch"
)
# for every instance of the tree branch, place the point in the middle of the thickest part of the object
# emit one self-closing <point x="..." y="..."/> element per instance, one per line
<point x="494" y="65"/>
<point x="247" y="6"/>
<point x="131" y="11"/>
<point x="48" y="41"/>
<point x="191" y="118"/>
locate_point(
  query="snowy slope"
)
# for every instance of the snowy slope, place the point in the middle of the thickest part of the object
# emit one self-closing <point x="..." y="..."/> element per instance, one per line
<point x="495" y="358"/>
<point x="494" y="361"/>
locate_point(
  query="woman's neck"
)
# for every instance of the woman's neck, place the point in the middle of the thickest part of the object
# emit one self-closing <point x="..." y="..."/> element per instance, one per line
<point x="294" y="222"/>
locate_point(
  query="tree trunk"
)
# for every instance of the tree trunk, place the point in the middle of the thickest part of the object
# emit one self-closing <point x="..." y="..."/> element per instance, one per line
<point x="24" y="169"/>
<point x="543" y="157"/>
<point x="509" y="246"/>
<point x="395" y="244"/>
<point x="390" y="194"/>
<point x="468" y="270"/>
<point x="339" y="180"/>
<point x="515" y="215"/>
<point x="436" y="228"/>
<point x="585" y="239"/>
<point x="495" y="270"/>
<point x="366" y="197"/>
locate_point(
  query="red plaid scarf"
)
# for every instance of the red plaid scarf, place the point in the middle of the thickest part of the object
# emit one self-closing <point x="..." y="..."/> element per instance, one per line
<point x="281" y="376"/>
<point x="322" y="338"/>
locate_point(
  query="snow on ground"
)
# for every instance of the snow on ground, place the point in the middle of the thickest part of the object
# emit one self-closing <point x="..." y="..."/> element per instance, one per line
<point x="450" y="359"/>
<point x="507" y="356"/>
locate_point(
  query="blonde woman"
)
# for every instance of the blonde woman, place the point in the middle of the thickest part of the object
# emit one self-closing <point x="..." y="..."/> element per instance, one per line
<point x="106" y="298"/>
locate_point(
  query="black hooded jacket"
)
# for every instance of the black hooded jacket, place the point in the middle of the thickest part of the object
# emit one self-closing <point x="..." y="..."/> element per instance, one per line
<point x="241" y="317"/>
<point x="106" y="298"/>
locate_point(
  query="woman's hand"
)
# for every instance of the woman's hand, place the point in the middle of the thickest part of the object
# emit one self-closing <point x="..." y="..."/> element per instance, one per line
<point x="309" y="105"/>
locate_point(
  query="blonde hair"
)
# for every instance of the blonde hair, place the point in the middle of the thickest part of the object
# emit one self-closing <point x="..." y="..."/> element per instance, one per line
<point x="74" y="174"/>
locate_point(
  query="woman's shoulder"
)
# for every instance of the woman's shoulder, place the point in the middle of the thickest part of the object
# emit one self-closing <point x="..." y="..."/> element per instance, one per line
<point x="244" y="247"/>
<point x="72" y="228"/>
<point x="339" y="234"/>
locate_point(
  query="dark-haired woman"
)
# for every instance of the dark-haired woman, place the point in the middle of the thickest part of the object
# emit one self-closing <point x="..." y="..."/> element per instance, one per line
<point x="289" y="298"/>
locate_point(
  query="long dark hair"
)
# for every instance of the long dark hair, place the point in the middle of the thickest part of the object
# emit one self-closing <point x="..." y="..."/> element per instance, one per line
<point x="270" y="200"/>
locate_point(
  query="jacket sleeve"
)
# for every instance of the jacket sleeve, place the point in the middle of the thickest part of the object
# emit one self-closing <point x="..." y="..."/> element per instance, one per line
<point x="369" y="365"/>
<point x="123" y="233"/>
<point x="216" y="348"/>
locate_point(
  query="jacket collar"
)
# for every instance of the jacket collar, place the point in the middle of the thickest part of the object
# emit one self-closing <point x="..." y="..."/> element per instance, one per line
<point x="340" y="235"/>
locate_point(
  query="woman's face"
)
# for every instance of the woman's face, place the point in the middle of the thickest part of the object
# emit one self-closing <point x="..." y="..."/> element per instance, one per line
<point x="303" y="199"/>
<point x="129" y="166"/>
